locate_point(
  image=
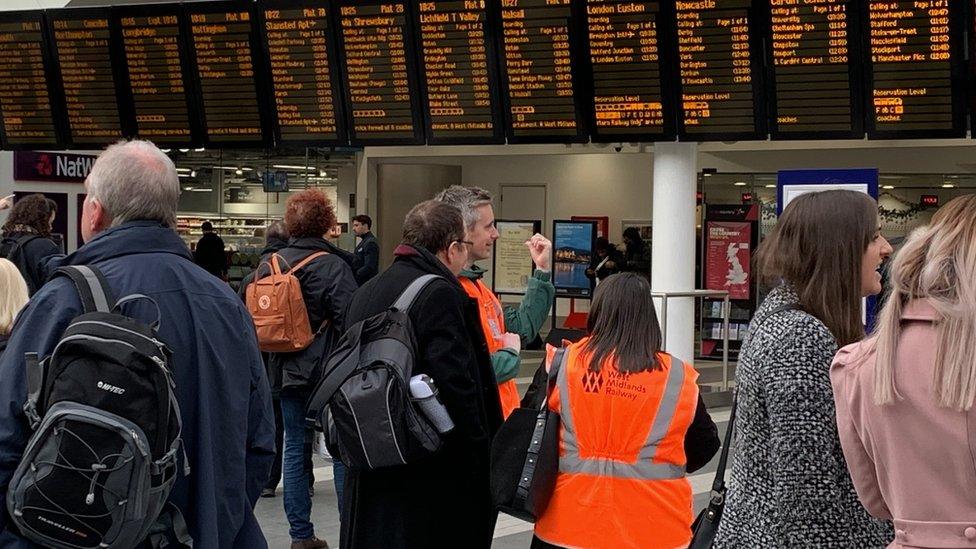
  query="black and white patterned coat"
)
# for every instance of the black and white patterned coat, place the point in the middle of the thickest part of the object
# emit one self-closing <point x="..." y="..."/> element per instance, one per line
<point x="789" y="485"/>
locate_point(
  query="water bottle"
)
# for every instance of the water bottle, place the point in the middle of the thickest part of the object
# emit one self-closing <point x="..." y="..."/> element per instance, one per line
<point x="424" y="394"/>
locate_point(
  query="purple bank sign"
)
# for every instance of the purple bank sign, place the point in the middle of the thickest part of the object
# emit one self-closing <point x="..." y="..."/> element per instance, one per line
<point x="52" y="166"/>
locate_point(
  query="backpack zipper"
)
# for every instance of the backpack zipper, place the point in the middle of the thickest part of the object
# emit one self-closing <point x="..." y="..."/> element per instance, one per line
<point x="159" y="344"/>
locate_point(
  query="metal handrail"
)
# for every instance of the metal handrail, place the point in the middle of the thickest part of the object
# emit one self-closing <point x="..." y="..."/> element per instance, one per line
<point x="726" y="312"/>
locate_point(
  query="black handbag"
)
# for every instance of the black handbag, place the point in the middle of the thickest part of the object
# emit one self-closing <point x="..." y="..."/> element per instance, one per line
<point x="706" y="524"/>
<point x="525" y="454"/>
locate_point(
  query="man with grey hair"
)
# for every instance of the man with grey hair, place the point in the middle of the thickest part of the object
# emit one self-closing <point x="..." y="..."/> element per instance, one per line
<point x="506" y="329"/>
<point x="228" y="429"/>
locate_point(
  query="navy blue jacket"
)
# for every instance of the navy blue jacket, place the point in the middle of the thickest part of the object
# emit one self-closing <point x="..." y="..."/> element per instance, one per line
<point x="221" y="386"/>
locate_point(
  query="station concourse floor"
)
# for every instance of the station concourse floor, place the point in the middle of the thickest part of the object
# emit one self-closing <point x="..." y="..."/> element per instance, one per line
<point x="510" y="533"/>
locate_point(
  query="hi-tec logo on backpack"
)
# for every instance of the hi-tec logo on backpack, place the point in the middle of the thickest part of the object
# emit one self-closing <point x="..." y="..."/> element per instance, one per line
<point x="110" y="388"/>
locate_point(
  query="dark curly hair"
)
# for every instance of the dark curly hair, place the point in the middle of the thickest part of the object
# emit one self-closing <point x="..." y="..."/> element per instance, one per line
<point x="309" y="214"/>
<point x="32" y="211"/>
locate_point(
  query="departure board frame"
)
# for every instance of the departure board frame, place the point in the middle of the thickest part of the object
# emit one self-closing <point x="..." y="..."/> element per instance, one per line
<point x="576" y="68"/>
<point x="331" y="45"/>
<point x="757" y="67"/>
<point x="413" y="80"/>
<point x="957" y="83"/>
<point x="494" y="84"/>
<point x="854" y="80"/>
<point x="57" y="73"/>
<point x="57" y="117"/>
<point x="130" y="126"/>
<point x="666" y="51"/>
<point x="259" y="70"/>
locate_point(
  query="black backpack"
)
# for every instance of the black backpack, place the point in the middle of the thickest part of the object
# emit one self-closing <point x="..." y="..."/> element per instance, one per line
<point x="13" y="250"/>
<point x="102" y="459"/>
<point x="363" y="402"/>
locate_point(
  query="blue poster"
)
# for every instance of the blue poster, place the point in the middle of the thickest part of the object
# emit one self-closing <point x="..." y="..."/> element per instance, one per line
<point x="792" y="183"/>
<point x="572" y="253"/>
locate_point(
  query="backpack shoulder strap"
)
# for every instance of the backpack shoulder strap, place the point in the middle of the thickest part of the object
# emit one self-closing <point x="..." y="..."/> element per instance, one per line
<point x="12" y="245"/>
<point x="307" y="260"/>
<point x="95" y="294"/>
<point x="406" y="299"/>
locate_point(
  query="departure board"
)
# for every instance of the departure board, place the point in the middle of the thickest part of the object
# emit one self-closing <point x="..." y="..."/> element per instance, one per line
<point x="82" y="46"/>
<point x="379" y="73"/>
<point x="222" y="44"/>
<point x="26" y="115"/>
<point x="539" y="94"/>
<point x="624" y="48"/>
<point x="914" y="75"/>
<point x="459" y="75"/>
<point x="298" y="44"/>
<point x="151" y="45"/>
<point x="720" y="71"/>
<point x="814" y="86"/>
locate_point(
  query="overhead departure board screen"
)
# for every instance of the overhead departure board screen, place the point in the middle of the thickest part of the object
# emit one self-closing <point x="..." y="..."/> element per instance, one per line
<point x="26" y="115"/>
<point x="814" y="87"/>
<point x="82" y="46"/>
<point x="222" y="44"/>
<point x="914" y="76"/>
<point x="537" y="66"/>
<point x="151" y="45"/>
<point x="298" y="43"/>
<point x="379" y="73"/>
<point x="720" y="70"/>
<point x="459" y="77"/>
<point x="625" y="46"/>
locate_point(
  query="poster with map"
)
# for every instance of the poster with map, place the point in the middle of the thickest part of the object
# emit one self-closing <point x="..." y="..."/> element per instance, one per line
<point x="728" y="257"/>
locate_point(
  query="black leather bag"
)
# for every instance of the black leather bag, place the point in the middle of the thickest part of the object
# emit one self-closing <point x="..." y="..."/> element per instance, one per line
<point x="525" y="454"/>
<point x="706" y="524"/>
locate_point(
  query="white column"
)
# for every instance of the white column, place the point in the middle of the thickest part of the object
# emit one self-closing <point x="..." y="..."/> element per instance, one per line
<point x="673" y="241"/>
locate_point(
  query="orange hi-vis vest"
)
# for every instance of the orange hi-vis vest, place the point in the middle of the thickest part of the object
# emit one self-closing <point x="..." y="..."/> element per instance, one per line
<point x="621" y="480"/>
<point x="493" y="325"/>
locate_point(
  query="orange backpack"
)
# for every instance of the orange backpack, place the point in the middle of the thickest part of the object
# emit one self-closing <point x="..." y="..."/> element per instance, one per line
<point x="276" y="305"/>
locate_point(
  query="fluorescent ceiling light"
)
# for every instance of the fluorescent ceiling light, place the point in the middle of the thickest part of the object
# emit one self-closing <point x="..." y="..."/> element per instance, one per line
<point x="888" y="187"/>
<point x="184" y="170"/>
<point x="948" y="186"/>
<point x="740" y="183"/>
<point x="200" y="150"/>
<point x="293" y="167"/>
<point x="771" y="186"/>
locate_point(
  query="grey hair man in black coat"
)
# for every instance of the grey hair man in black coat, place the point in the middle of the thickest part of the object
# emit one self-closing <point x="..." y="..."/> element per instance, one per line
<point x="443" y="501"/>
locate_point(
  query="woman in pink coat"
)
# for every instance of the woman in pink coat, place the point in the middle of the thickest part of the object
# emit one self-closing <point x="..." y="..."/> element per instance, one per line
<point x="905" y="395"/>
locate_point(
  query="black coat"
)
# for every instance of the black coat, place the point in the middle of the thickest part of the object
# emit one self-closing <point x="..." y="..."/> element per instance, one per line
<point x="444" y="501"/>
<point x="33" y="260"/>
<point x="327" y="287"/>
<point x="367" y="259"/>
<point x="210" y="255"/>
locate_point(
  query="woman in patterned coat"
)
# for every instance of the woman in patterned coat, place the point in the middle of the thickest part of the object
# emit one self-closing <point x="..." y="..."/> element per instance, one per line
<point x="789" y="485"/>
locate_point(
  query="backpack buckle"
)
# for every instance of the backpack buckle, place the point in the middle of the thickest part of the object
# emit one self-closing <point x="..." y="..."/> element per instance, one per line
<point x="30" y="410"/>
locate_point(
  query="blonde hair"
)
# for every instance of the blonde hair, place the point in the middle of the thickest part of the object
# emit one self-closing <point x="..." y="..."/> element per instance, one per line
<point x="14" y="297"/>
<point x="937" y="263"/>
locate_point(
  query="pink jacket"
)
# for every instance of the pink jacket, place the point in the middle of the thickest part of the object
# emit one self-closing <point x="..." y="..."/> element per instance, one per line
<point x="911" y="461"/>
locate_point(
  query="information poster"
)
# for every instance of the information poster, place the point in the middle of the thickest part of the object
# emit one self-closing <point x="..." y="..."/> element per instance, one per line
<point x="602" y="224"/>
<point x="573" y="244"/>
<point x="512" y="263"/>
<point x="728" y="257"/>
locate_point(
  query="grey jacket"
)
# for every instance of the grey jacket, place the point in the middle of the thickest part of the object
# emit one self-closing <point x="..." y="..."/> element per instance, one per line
<point x="789" y="485"/>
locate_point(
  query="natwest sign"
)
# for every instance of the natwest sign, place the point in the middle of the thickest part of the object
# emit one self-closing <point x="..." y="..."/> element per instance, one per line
<point x="52" y="166"/>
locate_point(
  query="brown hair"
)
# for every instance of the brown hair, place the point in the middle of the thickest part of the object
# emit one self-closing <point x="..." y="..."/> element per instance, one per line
<point x="309" y="214"/>
<point x="32" y="211"/>
<point x="817" y="247"/>
<point x="623" y="325"/>
<point x="433" y="225"/>
<point x="365" y="220"/>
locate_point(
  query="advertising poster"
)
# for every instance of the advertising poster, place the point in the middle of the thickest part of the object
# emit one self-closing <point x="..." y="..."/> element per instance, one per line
<point x="572" y="246"/>
<point x="728" y="258"/>
<point x="602" y="224"/>
<point x="513" y="264"/>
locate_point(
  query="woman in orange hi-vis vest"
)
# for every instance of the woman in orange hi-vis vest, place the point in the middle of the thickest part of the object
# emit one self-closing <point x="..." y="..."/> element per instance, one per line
<point x="633" y="424"/>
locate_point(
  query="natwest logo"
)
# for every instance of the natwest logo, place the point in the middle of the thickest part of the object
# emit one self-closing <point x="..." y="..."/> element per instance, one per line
<point x="51" y="166"/>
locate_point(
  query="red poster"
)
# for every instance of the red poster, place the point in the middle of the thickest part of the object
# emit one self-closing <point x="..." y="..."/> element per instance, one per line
<point x="602" y="224"/>
<point x="728" y="258"/>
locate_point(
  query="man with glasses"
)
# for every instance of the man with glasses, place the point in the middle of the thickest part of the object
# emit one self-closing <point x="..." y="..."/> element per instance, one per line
<point x="445" y="500"/>
<point x="506" y="329"/>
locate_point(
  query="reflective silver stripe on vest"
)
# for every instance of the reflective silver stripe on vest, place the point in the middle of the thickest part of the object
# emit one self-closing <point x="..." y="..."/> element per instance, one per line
<point x="571" y="462"/>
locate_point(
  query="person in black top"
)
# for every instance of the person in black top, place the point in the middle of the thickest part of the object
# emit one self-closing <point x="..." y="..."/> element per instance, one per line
<point x="27" y="238"/>
<point x="210" y="252"/>
<point x="606" y="261"/>
<point x="368" y="251"/>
